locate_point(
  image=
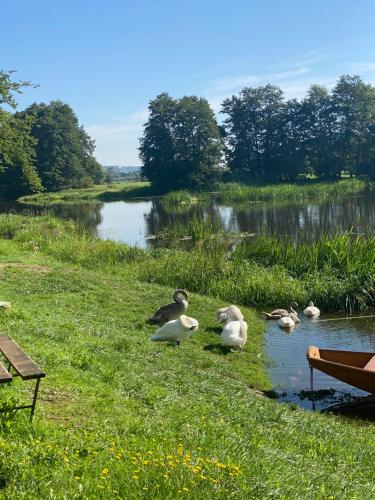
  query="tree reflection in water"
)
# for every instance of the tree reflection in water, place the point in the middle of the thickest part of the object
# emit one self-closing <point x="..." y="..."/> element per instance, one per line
<point x="137" y="222"/>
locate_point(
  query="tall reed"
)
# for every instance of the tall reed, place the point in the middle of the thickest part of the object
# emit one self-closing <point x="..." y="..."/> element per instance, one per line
<point x="338" y="273"/>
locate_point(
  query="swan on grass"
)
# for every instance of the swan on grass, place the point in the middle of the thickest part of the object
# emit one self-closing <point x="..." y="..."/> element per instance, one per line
<point x="176" y="330"/>
<point x="230" y="312"/>
<point x="311" y="311"/>
<point x="234" y="333"/>
<point x="171" y="311"/>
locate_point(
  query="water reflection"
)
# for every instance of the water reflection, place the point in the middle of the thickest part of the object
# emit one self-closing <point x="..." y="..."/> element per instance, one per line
<point x="288" y="367"/>
<point x="137" y="222"/>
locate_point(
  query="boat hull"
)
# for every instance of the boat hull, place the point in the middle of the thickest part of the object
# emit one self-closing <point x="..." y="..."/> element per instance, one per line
<point x="353" y="368"/>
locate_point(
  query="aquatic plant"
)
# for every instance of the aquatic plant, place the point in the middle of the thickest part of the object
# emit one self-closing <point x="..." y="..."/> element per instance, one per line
<point x="338" y="272"/>
<point x="236" y="193"/>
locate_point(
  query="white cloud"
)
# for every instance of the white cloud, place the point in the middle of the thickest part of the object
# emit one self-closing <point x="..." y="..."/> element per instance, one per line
<point x="359" y="67"/>
<point x="117" y="141"/>
<point x="228" y="84"/>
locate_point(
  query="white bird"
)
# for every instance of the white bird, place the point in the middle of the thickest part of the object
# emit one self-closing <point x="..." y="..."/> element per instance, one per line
<point x="311" y="311"/>
<point x="176" y="330"/>
<point x="231" y="312"/>
<point x="234" y="333"/>
<point x="288" y="321"/>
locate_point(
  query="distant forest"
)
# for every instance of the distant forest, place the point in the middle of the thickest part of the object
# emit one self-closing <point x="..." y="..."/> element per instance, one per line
<point x="262" y="138"/>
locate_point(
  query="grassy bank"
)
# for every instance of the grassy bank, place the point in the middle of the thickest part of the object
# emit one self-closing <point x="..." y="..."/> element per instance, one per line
<point x="121" y="417"/>
<point x="224" y="193"/>
<point x="103" y="192"/>
<point x="338" y="273"/>
<point x="239" y="193"/>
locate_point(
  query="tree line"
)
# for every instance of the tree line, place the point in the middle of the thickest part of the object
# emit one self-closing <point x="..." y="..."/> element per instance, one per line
<point x="42" y="147"/>
<point x="263" y="137"/>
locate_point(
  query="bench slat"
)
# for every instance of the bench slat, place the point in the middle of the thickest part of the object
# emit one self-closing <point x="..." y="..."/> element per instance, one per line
<point x="5" y="376"/>
<point x="21" y="362"/>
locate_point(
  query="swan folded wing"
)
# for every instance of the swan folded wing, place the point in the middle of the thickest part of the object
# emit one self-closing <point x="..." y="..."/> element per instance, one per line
<point x="166" y="312"/>
<point x="234" y="334"/>
<point x="176" y="330"/>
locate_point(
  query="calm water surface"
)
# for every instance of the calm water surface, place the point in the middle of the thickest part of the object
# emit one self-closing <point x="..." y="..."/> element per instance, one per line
<point x="288" y="368"/>
<point x="137" y="222"/>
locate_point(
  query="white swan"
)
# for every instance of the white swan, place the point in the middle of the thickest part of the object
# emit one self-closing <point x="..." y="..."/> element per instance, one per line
<point x="234" y="334"/>
<point x="288" y="321"/>
<point x="176" y="330"/>
<point x="311" y="310"/>
<point x="230" y="312"/>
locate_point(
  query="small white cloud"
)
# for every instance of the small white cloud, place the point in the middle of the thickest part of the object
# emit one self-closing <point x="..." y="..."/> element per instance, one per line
<point x="117" y="141"/>
<point x="359" y="67"/>
<point x="246" y="80"/>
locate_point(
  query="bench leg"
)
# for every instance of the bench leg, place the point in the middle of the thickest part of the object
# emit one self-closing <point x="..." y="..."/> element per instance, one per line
<point x="34" y="398"/>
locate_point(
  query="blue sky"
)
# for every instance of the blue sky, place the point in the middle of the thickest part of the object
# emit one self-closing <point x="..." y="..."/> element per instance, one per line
<point x="107" y="59"/>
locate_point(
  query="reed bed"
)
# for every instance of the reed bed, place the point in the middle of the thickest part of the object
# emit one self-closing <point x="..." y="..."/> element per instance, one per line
<point x="338" y="272"/>
<point x="237" y="193"/>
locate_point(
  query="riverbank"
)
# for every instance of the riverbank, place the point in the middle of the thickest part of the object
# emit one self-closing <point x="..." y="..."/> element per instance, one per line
<point x="121" y="417"/>
<point x="338" y="273"/>
<point x="224" y="193"/>
<point x="103" y="192"/>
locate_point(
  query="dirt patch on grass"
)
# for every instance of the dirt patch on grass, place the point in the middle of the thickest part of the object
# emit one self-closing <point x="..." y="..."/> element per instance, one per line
<point x="56" y="396"/>
<point x="32" y="268"/>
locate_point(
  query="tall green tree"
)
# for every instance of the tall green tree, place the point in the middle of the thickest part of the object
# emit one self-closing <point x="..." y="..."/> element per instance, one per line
<point x="64" y="151"/>
<point x="181" y="145"/>
<point x="17" y="171"/>
<point x="254" y="131"/>
<point x="319" y="133"/>
<point x="354" y="104"/>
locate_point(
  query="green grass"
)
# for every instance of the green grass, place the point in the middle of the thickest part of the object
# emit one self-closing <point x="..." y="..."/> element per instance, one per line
<point x="179" y="201"/>
<point x="122" y="417"/>
<point x="338" y="273"/>
<point x="237" y="193"/>
<point x="233" y="192"/>
<point x="104" y="192"/>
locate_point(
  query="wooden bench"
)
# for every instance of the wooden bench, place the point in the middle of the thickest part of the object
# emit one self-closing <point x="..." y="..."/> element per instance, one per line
<point x="19" y="365"/>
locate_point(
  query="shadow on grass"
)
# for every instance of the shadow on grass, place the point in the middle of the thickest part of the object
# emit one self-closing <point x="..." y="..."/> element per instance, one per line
<point x="217" y="349"/>
<point x="214" y="329"/>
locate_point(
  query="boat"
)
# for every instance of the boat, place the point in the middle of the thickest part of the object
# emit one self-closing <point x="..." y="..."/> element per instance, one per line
<point x="353" y="368"/>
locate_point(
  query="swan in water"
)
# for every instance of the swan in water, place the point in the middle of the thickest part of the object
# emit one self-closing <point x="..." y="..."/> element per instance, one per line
<point x="234" y="333"/>
<point x="232" y="312"/>
<point x="279" y="313"/>
<point x="311" y="311"/>
<point x="286" y="322"/>
<point x="176" y="330"/>
<point x="171" y="311"/>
